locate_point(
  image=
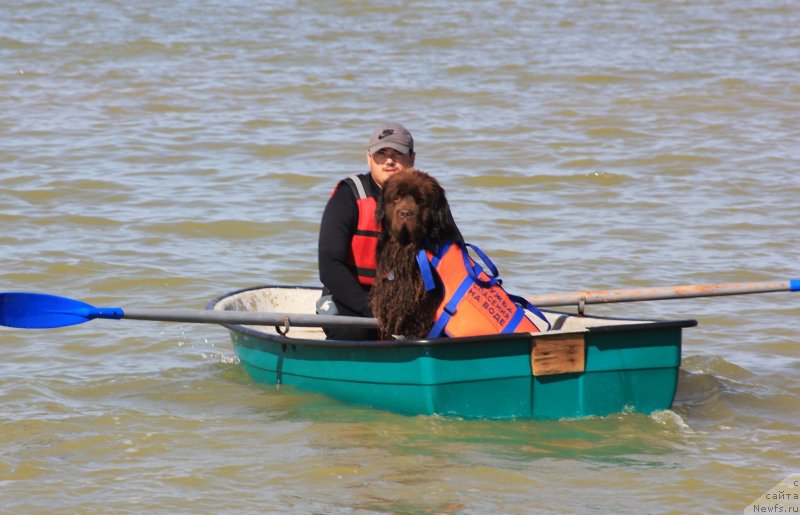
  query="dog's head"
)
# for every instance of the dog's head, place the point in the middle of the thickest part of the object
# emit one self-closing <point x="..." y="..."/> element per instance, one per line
<point x="414" y="210"/>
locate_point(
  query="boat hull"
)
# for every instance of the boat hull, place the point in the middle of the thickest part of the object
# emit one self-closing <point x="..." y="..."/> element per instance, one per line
<point x="599" y="370"/>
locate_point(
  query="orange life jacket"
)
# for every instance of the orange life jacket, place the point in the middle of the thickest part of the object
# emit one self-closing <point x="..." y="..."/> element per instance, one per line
<point x="364" y="245"/>
<point x="474" y="301"/>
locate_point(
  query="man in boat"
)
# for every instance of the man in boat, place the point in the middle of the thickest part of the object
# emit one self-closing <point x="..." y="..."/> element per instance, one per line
<point x="348" y="233"/>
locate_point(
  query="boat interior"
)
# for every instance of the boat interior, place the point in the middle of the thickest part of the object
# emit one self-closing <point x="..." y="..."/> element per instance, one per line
<point x="290" y="299"/>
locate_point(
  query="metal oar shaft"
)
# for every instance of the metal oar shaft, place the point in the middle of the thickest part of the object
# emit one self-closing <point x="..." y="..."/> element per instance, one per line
<point x="670" y="292"/>
<point x="202" y="316"/>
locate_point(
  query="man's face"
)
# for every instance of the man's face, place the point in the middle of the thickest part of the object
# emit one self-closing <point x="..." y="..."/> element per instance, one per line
<point x="386" y="162"/>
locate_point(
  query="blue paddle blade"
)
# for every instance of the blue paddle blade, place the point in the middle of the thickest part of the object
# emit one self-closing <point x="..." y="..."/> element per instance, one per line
<point x="42" y="311"/>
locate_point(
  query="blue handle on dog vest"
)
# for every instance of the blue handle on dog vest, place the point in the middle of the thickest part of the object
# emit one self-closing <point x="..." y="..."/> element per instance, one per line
<point x="425" y="270"/>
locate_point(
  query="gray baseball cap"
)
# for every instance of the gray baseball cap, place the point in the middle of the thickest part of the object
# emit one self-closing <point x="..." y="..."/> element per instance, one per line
<point x="391" y="135"/>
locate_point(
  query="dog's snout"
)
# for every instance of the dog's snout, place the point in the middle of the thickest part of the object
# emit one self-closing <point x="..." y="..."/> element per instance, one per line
<point x="406" y="213"/>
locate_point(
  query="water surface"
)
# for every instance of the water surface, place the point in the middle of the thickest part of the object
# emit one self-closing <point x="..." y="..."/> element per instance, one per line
<point x="161" y="154"/>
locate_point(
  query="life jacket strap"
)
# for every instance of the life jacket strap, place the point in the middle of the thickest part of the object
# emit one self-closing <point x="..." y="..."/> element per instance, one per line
<point x="426" y="271"/>
<point x="358" y="188"/>
<point x="474" y="269"/>
<point x="516" y="318"/>
<point x="450" y="308"/>
<point x="530" y="307"/>
<point x="438" y="327"/>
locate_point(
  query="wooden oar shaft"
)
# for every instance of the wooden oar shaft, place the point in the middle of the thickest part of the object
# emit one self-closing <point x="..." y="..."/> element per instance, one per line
<point x="668" y="292"/>
<point x="204" y="316"/>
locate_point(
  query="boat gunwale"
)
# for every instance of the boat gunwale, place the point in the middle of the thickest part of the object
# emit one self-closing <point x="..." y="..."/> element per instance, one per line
<point x="482" y="339"/>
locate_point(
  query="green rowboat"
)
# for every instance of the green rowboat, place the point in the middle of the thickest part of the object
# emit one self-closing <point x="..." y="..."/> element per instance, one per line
<point x="584" y="366"/>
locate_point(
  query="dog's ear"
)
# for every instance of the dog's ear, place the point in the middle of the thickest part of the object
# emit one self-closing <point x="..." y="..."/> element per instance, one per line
<point x="381" y="201"/>
<point x="380" y="209"/>
<point x="439" y="212"/>
<point x="443" y="226"/>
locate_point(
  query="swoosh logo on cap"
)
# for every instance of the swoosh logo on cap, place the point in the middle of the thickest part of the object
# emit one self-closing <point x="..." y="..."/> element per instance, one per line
<point x="385" y="133"/>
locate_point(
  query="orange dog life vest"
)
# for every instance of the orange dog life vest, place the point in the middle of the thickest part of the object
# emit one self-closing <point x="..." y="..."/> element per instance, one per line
<point x="474" y="301"/>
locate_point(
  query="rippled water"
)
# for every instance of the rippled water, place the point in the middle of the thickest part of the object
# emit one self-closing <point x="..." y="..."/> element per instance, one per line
<point x="161" y="154"/>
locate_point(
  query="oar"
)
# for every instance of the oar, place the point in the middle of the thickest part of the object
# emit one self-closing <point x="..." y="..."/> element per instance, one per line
<point x="669" y="292"/>
<point x="41" y="311"/>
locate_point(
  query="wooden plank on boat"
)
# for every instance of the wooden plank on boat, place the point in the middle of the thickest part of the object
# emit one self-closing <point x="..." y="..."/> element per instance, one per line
<point x="558" y="354"/>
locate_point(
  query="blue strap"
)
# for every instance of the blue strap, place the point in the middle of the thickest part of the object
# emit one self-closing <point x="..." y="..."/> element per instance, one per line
<point x="474" y="270"/>
<point x="438" y="328"/>
<point x="530" y="307"/>
<point x="425" y="270"/>
<point x="462" y="290"/>
<point x="450" y="308"/>
<point x="516" y="318"/>
<point x="484" y="258"/>
<point x="794" y="285"/>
